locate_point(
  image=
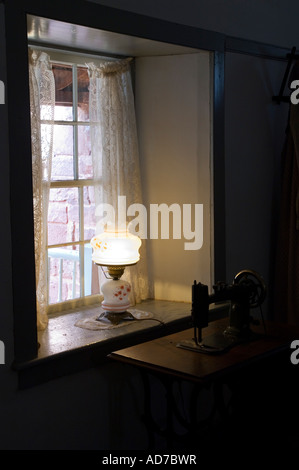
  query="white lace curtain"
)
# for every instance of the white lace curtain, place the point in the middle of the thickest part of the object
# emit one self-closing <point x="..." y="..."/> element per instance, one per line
<point x="115" y="150"/>
<point x="42" y="102"/>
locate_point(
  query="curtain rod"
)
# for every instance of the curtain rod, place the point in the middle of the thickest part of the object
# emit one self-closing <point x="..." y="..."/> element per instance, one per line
<point x="70" y="50"/>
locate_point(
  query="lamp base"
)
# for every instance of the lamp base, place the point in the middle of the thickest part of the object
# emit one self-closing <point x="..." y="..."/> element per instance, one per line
<point x="116" y="294"/>
<point x="115" y="318"/>
<point x="113" y="307"/>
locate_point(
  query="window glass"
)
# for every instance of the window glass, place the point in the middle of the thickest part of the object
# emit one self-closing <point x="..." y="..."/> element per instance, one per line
<point x="63" y="216"/>
<point x="63" y="154"/>
<point x="64" y="273"/>
<point x="85" y="168"/>
<point x="63" y="75"/>
<point x="83" y="94"/>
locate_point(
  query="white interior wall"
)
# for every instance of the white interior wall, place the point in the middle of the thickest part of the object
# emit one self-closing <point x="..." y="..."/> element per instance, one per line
<point x="174" y="127"/>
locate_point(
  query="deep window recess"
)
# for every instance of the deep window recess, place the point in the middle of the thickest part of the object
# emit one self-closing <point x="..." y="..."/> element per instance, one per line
<point x="134" y="33"/>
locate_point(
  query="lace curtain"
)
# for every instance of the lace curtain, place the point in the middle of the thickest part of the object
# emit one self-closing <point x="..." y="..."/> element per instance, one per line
<point x="115" y="150"/>
<point x="42" y="102"/>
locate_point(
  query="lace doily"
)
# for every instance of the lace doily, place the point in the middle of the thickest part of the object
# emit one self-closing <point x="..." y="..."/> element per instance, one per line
<point x="101" y="322"/>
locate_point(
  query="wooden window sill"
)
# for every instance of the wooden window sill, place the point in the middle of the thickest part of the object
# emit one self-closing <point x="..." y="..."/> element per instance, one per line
<point x="66" y="348"/>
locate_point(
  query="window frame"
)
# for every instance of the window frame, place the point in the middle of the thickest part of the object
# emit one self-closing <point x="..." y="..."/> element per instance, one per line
<point x="97" y="16"/>
<point x="69" y="58"/>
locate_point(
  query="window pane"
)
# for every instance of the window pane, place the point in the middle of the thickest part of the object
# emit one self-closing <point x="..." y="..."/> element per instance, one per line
<point x="84" y="153"/>
<point x="62" y="162"/>
<point x="89" y="212"/>
<point x="83" y="94"/>
<point x="64" y="273"/>
<point x="63" y="216"/>
<point x="63" y="113"/>
<point x="63" y="76"/>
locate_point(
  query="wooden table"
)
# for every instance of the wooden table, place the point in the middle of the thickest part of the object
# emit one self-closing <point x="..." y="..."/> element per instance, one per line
<point x="257" y="374"/>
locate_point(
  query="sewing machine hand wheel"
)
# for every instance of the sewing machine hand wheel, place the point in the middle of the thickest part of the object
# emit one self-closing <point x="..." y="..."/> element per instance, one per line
<point x="256" y="283"/>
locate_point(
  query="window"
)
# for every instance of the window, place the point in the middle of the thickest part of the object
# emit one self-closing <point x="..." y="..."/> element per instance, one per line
<point x="71" y="276"/>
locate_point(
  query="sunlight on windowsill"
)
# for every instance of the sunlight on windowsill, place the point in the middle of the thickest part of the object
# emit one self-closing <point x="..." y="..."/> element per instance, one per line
<point x="62" y="334"/>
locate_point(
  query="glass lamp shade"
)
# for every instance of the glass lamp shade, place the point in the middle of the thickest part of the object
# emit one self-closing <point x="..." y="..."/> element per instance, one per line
<point x="115" y="248"/>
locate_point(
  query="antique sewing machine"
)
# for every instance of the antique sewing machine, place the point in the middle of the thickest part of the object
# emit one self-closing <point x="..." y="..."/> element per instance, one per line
<point x="247" y="291"/>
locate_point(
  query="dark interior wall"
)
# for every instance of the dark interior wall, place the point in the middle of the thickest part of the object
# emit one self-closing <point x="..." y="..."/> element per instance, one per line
<point x="83" y="411"/>
<point x="268" y="21"/>
<point x="88" y="411"/>
<point x="6" y="322"/>
<point x="255" y="132"/>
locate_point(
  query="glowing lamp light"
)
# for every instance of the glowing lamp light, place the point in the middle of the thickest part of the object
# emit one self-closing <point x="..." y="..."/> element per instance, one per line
<point x="115" y="250"/>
